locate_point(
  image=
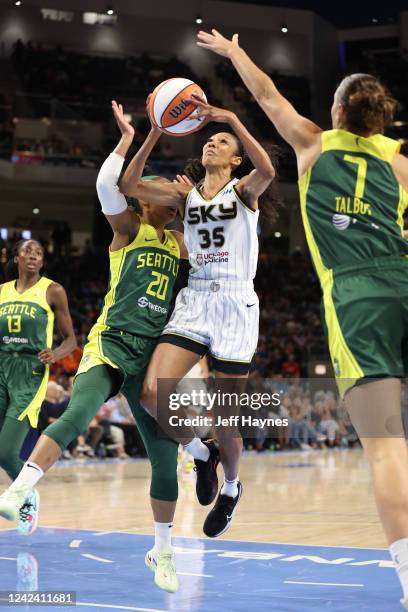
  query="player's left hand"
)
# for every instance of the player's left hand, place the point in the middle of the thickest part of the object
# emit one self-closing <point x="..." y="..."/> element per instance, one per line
<point x="218" y="43"/>
<point x="125" y="128"/>
<point x="47" y="356"/>
<point x="207" y="112"/>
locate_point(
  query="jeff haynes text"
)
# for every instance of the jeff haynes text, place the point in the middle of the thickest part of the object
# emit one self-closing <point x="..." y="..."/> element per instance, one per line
<point x="232" y="421"/>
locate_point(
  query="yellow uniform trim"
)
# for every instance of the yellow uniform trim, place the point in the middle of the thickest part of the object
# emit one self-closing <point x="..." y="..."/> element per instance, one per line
<point x="93" y="352"/>
<point x="377" y="145"/>
<point x="36" y="294"/>
<point x="339" y="350"/>
<point x="402" y="206"/>
<point x="147" y="237"/>
<point x="33" y="409"/>
<point x="116" y="262"/>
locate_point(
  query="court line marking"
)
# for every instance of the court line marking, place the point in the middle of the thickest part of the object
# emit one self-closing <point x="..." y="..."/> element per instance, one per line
<point x="95" y="558"/>
<point x="323" y="583"/>
<point x="117" y="607"/>
<point x="75" y="543"/>
<point x="270" y="542"/>
<point x="8" y="558"/>
<point x="191" y="574"/>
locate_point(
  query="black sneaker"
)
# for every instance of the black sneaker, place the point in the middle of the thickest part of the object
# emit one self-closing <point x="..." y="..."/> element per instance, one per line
<point x="219" y="519"/>
<point x="207" y="480"/>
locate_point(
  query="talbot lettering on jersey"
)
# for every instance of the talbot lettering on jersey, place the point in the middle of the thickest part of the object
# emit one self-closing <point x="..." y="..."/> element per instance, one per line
<point x="212" y="212"/>
<point x="352" y="206"/>
<point x="18" y="309"/>
<point x="158" y="260"/>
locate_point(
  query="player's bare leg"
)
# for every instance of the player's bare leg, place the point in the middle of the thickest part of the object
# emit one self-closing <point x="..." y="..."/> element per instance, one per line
<point x="375" y="411"/>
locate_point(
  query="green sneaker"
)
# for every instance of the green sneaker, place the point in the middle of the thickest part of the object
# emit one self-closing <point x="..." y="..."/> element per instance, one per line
<point x="28" y="521"/>
<point x="164" y="567"/>
<point x="11" y="501"/>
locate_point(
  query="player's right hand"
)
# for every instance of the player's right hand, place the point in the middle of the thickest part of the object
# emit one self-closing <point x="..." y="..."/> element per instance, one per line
<point x="217" y="42"/>
<point x="153" y="126"/>
<point x="125" y="127"/>
<point x="183" y="180"/>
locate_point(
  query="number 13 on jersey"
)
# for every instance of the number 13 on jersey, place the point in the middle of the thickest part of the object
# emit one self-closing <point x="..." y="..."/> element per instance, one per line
<point x="14" y="324"/>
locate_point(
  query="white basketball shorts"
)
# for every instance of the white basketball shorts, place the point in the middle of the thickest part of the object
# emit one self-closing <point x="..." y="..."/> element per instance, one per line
<point x="217" y="317"/>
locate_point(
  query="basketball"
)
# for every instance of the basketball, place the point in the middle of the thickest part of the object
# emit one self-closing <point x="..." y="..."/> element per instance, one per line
<point x="169" y="110"/>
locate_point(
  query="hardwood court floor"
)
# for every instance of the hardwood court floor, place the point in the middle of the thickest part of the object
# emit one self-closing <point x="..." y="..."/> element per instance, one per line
<point x="319" y="497"/>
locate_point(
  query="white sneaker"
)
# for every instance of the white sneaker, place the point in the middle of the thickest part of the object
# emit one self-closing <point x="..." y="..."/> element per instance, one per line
<point x="29" y="511"/>
<point x="12" y="500"/>
<point x="162" y="563"/>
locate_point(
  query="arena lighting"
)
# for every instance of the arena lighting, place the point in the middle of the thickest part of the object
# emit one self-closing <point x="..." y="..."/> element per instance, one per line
<point x="17" y="3"/>
<point x="277" y="234"/>
<point x="110" y="11"/>
<point x="199" y="20"/>
<point x="374" y="20"/>
<point x="320" y="369"/>
<point x="284" y="28"/>
<point x="36" y="211"/>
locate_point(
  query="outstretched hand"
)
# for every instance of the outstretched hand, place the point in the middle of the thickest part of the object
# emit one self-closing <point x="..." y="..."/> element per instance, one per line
<point x="207" y="112"/>
<point x="217" y="43"/>
<point x="183" y="180"/>
<point x="125" y="127"/>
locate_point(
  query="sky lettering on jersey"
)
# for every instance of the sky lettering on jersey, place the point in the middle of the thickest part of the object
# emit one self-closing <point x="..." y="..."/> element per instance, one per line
<point x="18" y="309"/>
<point x="212" y="212"/>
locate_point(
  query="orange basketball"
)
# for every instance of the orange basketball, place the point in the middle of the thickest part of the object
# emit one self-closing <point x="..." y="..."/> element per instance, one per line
<point x="169" y="110"/>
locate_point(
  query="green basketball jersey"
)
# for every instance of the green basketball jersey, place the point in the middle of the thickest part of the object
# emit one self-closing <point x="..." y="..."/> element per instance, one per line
<point x="352" y="204"/>
<point x="142" y="276"/>
<point x="26" y="319"/>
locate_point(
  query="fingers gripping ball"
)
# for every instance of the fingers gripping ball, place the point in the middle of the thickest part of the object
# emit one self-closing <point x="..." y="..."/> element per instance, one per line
<point x="169" y="109"/>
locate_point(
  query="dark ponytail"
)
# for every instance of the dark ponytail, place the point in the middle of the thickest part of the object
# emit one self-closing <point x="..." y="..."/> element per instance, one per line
<point x="269" y="202"/>
<point x="367" y="103"/>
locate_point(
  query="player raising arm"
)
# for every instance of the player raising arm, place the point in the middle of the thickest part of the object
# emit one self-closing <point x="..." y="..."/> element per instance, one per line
<point x="354" y="190"/>
<point x="218" y="312"/>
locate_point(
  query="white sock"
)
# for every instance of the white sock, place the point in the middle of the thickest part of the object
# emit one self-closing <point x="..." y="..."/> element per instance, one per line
<point x="162" y="535"/>
<point x="29" y="476"/>
<point x="399" y="554"/>
<point x="230" y="487"/>
<point x="197" y="449"/>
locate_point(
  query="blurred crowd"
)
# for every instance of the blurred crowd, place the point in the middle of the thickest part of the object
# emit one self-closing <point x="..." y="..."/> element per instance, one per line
<point x="290" y="335"/>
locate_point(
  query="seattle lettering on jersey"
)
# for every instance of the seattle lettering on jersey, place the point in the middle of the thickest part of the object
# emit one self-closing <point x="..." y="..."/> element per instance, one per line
<point x="352" y="206"/>
<point x="158" y="260"/>
<point x="18" y="309"/>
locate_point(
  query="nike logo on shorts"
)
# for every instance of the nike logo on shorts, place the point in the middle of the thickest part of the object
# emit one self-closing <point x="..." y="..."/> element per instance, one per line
<point x="249" y="305"/>
<point x="149" y="239"/>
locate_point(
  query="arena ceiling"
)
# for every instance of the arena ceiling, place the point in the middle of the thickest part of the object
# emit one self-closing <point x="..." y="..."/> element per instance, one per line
<point x="343" y="14"/>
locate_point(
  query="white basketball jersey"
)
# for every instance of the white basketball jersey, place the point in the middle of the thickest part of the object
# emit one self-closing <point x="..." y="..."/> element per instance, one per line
<point x="220" y="235"/>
